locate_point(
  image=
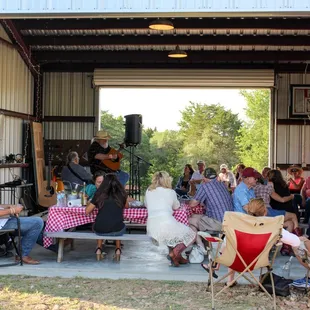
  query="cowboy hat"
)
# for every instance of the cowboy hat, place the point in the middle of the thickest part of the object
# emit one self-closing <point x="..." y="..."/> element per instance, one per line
<point x="294" y="167"/>
<point x="102" y="134"/>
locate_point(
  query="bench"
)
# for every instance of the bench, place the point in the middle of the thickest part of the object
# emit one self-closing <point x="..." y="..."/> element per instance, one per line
<point x="62" y="235"/>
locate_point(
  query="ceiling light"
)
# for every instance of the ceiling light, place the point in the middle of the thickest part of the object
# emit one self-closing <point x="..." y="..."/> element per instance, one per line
<point x="177" y="53"/>
<point x="161" y="24"/>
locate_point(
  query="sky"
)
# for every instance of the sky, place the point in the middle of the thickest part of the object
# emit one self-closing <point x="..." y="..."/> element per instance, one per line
<point x="160" y="107"/>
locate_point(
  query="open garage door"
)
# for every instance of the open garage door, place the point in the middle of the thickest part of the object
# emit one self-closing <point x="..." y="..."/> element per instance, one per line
<point x="183" y="78"/>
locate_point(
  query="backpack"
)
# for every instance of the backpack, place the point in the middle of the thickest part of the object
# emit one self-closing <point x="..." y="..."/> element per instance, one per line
<point x="281" y="285"/>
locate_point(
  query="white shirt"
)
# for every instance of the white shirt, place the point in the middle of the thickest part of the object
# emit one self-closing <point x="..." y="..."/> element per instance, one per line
<point x="290" y="239"/>
<point x="228" y="177"/>
<point x="197" y="176"/>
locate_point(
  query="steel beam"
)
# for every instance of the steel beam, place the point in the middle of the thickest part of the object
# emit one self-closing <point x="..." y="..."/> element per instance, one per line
<point x="208" y="40"/>
<point x="153" y="57"/>
<point x="180" y="23"/>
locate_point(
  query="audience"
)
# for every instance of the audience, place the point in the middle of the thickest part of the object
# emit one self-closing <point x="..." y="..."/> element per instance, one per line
<point x="91" y="189"/>
<point x="217" y="200"/>
<point x="227" y="176"/>
<point x="183" y="186"/>
<point x="110" y="199"/>
<point x="281" y="188"/>
<point x="265" y="175"/>
<point x="160" y="201"/>
<point x="74" y="172"/>
<point x="30" y="228"/>
<point x="197" y="178"/>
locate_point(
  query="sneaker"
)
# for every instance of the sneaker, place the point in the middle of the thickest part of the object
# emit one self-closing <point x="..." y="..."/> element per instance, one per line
<point x="301" y="282"/>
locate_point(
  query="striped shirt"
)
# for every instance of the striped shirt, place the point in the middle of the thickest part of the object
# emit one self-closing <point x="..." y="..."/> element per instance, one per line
<point x="215" y="196"/>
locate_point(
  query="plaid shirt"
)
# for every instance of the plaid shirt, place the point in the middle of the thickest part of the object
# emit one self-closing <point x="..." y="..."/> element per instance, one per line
<point x="215" y="196"/>
<point x="264" y="192"/>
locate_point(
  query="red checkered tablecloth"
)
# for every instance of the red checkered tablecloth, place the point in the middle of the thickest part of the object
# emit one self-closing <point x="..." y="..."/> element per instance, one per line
<point x="61" y="218"/>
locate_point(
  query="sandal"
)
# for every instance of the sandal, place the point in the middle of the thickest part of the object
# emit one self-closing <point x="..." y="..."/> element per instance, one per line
<point x="117" y="255"/>
<point x="208" y="270"/>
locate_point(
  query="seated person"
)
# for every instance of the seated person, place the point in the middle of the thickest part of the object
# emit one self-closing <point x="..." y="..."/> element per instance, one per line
<point x="110" y="199"/>
<point x="217" y="200"/>
<point x="30" y="228"/>
<point x="91" y="189"/>
<point x="183" y="185"/>
<point x="265" y="175"/>
<point x="197" y="178"/>
<point x="238" y="175"/>
<point x="227" y="176"/>
<point x="73" y="172"/>
<point x="305" y="194"/>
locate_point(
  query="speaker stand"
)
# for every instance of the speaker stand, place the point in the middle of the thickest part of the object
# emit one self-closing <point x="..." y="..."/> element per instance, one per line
<point x="134" y="175"/>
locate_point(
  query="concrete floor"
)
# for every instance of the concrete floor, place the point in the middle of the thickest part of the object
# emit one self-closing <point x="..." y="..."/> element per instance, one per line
<point x="139" y="260"/>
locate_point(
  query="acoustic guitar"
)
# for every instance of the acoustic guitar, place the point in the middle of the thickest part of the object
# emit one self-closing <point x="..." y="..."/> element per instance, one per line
<point x="114" y="164"/>
<point x="47" y="197"/>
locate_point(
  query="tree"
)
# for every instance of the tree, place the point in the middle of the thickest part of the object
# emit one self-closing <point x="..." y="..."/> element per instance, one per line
<point x="166" y="150"/>
<point x="253" y="137"/>
<point x="209" y="133"/>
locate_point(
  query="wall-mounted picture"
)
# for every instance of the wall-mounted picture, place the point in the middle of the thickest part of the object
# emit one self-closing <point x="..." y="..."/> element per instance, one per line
<point x="300" y="101"/>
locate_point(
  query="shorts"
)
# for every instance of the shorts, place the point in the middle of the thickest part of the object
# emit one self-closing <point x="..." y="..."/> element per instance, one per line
<point x="272" y="212"/>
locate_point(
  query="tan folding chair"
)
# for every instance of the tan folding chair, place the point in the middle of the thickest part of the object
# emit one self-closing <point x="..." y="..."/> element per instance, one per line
<point x="249" y="240"/>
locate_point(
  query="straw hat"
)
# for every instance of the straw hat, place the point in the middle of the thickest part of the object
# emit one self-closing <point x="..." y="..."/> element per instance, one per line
<point x="294" y="168"/>
<point x="102" y="134"/>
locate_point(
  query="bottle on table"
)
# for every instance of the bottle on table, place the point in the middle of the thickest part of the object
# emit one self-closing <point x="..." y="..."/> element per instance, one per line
<point x="84" y="196"/>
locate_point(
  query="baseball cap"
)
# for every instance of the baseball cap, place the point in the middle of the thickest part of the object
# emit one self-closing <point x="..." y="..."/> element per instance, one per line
<point x="200" y="162"/>
<point x="223" y="166"/>
<point x="210" y="173"/>
<point x="251" y="172"/>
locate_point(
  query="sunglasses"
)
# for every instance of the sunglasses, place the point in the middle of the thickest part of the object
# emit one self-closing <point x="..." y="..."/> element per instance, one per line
<point x="294" y="170"/>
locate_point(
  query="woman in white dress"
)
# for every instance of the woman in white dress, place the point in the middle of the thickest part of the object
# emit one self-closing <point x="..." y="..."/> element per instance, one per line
<point x="161" y="200"/>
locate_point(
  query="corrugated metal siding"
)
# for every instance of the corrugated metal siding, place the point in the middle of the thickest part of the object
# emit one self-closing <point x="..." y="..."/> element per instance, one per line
<point x="184" y="78"/>
<point x="147" y="6"/>
<point x="292" y="140"/>
<point x="68" y="131"/>
<point x="69" y="94"/>
<point x="16" y="94"/>
<point x="16" y="82"/>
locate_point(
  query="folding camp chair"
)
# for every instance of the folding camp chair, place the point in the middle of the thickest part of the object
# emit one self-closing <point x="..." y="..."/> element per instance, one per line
<point x="18" y="250"/>
<point x="249" y="240"/>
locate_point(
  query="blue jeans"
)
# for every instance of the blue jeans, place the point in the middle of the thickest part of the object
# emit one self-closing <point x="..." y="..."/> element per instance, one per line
<point x="115" y="234"/>
<point x="30" y="228"/>
<point x="123" y="177"/>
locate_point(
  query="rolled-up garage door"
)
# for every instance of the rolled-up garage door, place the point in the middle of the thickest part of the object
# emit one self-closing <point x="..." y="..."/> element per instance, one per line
<point x="183" y="78"/>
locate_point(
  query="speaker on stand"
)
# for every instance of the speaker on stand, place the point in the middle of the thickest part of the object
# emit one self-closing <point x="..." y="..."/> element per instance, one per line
<point x="133" y="136"/>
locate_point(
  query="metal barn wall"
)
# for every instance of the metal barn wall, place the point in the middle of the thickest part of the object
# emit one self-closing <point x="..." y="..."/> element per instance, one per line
<point x="292" y="141"/>
<point x="69" y="94"/>
<point x="16" y="94"/>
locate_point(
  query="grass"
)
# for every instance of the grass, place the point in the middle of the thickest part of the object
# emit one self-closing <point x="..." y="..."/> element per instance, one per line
<point x="32" y="293"/>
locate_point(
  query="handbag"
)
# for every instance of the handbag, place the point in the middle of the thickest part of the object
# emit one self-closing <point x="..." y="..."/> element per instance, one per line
<point x="196" y="256"/>
<point x="281" y="285"/>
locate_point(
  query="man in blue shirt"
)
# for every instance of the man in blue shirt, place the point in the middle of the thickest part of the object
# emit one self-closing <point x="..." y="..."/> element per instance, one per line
<point x="244" y="192"/>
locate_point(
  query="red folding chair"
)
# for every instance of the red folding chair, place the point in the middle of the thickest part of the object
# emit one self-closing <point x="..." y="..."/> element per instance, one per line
<point x="248" y="240"/>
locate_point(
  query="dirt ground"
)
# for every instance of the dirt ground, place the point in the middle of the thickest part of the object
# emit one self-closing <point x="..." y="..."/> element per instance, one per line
<point x="31" y="293"/>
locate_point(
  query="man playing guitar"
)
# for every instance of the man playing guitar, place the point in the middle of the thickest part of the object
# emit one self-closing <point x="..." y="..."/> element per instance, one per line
<point x="105" y="158"/>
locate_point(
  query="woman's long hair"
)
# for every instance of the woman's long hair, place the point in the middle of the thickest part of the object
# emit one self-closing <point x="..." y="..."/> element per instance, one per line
<point x="275" y="176"/>
<point x="191" y="170"/>
<point x="110" y="188"/>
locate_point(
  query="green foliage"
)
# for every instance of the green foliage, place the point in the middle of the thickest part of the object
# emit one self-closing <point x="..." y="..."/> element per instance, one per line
<point x="253" y="137"/>
<point x="209" y="133"/>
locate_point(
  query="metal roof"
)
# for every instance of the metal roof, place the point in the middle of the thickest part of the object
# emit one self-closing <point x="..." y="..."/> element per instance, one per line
<point x="61" y="44"/>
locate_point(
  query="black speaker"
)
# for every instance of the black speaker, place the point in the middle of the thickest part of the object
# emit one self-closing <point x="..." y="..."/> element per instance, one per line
<point x="133" y="129"/>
